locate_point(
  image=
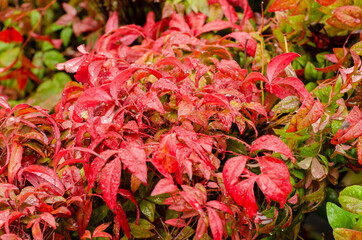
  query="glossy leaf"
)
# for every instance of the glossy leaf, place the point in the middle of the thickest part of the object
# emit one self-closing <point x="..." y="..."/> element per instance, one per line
<point x="343" y="234"/>
<point x="120" y="220"/>
<point x="274" y="179"/>
<point x="215" y="224"/>
<point x="338" y="217"/>
<point x="349" y="15"/>
<point x="110" y="180"/>
<point x="164" y="185"/>
<point x="351" y="199"/>
<point x="306" y="116"/>
<point x="351" y="127"/>
<point x="272" y="143"/>
<point x="39" y="175"/>
<point x="15" y="160"/>
<point x="278" y="64"/>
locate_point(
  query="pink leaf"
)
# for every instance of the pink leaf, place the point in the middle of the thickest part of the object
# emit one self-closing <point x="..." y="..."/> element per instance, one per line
<point x="176" y="222"/>
<point x="39" y="175"/>
<point x="201" y="228"/>
<point x="15" y="160"/>
<point x="229" y="11"/>
<point x="245" y="40"/>
<point x="215" y="224"/>
<point x="191" y="200"/>
<point x="165" y="185"/>
<point x="72" y="180"/>
<point x="178" y="23"/>
<point x="121" y="220"/>
<point x="278" y="64"/>
<point x="219" y="205"/>
<point x="351" y="127"/>
<point x="90" y="99"/>
<point x="133" y="156"/>
<point x="112" y="22"/>
<point x="274" y="179"/>
<point x="99" y="231"/>
<point x="215" y="26"/>
<point x="232" y="170"/>
<point x="49" y="219"/>
<point x="110" y="180"/>
<point x="129" y="195"/>
<point x="272" y="143"/>
<point x="151" y="101"/>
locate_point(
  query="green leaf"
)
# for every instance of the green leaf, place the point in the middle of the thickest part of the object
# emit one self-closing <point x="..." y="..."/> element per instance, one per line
<point x="287" y="105"/>
<point x="8" y="57"/>
<point x="309" y="150"/>
<point x="338" y="217"/>
<point x="139" y="231"/>
<point x="351" y="199"/>
<point x="186" y="233"/>
<point x="98" y="214"/>
<point x="65" y="35"/>
<point x="145" y="224"/>
<point x="346" y="234"/>
<point x="148" y="209"/>
<point x="159" y="199"/>
<point x="34" y="17"/>
<point x="49" y="92"/>
<point x="358" y="225"/>
<point x="53" y="57"/>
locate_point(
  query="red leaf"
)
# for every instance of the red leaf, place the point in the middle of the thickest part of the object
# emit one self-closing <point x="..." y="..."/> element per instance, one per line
<point x="165" y="84"/>
<point x="246" y="41"/>
<point x="133" y="156"/>
<point x="90" y="99"/>
<point x="39" y="175"/>
<point x="274" y="179"/>
<point x="83" y="215"/>
<point x="129" y="195"/>
<point x="72" y="180"/>
<point x="281" y="5"/>
<point x="215" y="26"/>
<point x="201" y="227"/>
<point x="190" y="198"/>
<point x="10" y="34"/>
<point x="151" y="100"/>
<point x="49" y="219"/>
<point x="36" y="231"/>
<point x="99" y="231"/>
<point x="306" y="116"/>
<point x="10" y="236"/>
<point x="349" y="15"/>
<point x="215" y="224"/>
<point x="359" y="150"/>
<point x="231" y="68"/>
<point x="15" y="160"/>
<point x="178" y="23"/>
<point x="277" y="88"/>
<point x="165" y="185"/>
<point x="229" y="11"/>
<point x="351" y="127"/>
<point x="110" y="180"/>
<point x="278" y="64"/>
<point x="233" y="168"/>
<point x="4" y="215"/>
<point x="112" y="22"/>
<point x="326" y="3"/>
<point x="219" y="205"/>
<point x="120" y="220"/>
<point x="272" y="143"/>
<point x="176" y="222"/>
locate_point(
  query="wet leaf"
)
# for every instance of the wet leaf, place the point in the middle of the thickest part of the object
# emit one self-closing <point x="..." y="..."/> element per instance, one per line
<point x="272" y="143"/>
<point x="15" y="160"/>
<point x="216" y="224"/>
<point x="344" y="234"/>
<point x="110" y="180"/>
<point x="39" y="175"/>
<point x="351" y="199"/>
<point x="278" y="64"/>
<point x="338" y="217"/>
<point x="148" y="209"/>
<point x="164" y="185"/>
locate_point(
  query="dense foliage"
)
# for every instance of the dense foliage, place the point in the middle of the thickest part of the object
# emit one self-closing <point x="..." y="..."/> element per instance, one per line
<point x="212" y="122"/>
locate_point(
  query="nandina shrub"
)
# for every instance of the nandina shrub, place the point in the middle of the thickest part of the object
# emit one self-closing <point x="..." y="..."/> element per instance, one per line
<point x="180" y="117"/>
